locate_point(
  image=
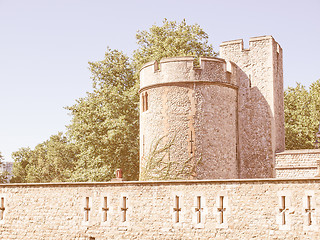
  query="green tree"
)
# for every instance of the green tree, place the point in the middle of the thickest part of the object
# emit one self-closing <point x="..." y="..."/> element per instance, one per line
<point x="105" y="124"/>
<point x="302" y="115"/>
<point x="171" y="40"/>
<point x="51" y="161"/>
<point x="22" y="160"/>
<point x="3" y="175"/>
<point x="104" y="130"/>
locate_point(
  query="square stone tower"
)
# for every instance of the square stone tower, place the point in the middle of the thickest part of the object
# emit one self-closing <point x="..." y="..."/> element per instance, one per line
<point x="260" y="103"/>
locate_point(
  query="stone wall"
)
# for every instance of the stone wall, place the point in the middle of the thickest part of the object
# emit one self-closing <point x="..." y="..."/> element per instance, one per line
<point x="222" y="119"/>
<point x="261" y="117"/>
<point x="194" y="108"/>
<point x="297" y="163"/>
<point x="261" y="209"/>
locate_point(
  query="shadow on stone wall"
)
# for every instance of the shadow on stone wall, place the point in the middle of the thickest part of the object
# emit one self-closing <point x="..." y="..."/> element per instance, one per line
<point x="256" y="158"/>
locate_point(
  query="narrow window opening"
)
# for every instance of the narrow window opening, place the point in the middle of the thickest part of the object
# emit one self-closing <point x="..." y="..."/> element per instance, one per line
<point x="228" y="76"/>
<point x="2" y="208"/>
<point x="105" y="209"/>
<point x="283" y="210"/>
<point x="156" y="66"/>
<point x="221" y="210"/>
<point x="309" y="211"/>
<point x="198" y="209"/>
<point x="191" y="143"/>
<point x="177" y="209"/>
<point x="87" y="209"/>
<point x="143" y="104"/>
<point x="144" y="97"/>
<point x="146" y="101"/>
<point x="143" y="145"/>
<point x="124" y="209"/>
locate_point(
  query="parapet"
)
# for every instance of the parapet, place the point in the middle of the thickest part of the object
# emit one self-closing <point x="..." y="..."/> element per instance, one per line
<point x="184" y="69"/>
<point x="238" y="44"/>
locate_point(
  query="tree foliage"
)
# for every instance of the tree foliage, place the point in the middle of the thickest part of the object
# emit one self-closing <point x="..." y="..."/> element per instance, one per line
<point x="105" y="124"/>
<point x="3" y="175"/>
<point x="104" y="130"/>
<point x="302" y="115"/>
<point x="171" y="40"/>
<point x="51" y="161"/>
<point x="114" y="70"/>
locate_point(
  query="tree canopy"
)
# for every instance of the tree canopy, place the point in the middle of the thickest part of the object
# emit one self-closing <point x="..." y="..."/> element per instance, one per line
<point x="3" y="175"/>
<point x="51" y="161"/>
<point x="104" y="131"/>
<point x="105" y="128"/>
<point x="171" y="40"/>
<point x="302" y="115"/>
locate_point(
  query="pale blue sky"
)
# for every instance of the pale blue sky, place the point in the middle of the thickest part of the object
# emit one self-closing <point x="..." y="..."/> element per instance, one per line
<point x="45" y="47"/>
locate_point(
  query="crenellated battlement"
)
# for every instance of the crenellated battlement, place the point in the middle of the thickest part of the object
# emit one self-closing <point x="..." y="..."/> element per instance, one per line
<point x="238" y="44"/>
<point x="184" y="69"/>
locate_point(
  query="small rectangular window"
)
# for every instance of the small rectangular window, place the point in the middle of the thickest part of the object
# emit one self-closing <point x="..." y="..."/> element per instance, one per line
<point x="144" y="101"/>
<point x="2" y="208"/>
<point x="87" y="209"/>
<point x="124" y="209"/>
<point x="105" y="209"/>
<point x="177" y="209"/>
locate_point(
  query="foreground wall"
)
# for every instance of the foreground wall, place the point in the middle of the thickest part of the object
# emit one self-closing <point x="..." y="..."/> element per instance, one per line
<point x="233" y="209"/>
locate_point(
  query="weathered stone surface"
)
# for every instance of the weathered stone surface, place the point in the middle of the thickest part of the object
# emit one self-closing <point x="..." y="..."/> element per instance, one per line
<point x="196" y="108"/>
<point x="56" y="211"/>
<point x="225" y="115"/>
<point x="229" y="116"/>
<point x="261" y="113"/>
<point x="297" y="163"/>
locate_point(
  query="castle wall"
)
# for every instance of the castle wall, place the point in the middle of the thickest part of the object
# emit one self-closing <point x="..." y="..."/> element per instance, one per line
<point x="251" y="209"/>
<point x="193" y="112"/>
<point x="297" y="163"/>
<point x="261" y="118"/>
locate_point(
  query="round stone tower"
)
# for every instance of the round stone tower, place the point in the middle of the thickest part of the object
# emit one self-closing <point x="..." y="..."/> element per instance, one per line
<point x="188" y="119"/>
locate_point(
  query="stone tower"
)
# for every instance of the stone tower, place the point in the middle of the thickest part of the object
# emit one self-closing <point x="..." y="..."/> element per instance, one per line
<point x="260" y="96"/>
<point x="219" y="119"/>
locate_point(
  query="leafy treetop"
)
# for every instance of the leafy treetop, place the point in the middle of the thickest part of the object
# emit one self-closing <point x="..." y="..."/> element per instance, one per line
<point x="302" y="115"/>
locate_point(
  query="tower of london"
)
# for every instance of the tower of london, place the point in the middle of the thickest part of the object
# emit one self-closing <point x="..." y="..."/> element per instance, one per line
<point x="224" y="116"/>
<point x="213" y="163"/>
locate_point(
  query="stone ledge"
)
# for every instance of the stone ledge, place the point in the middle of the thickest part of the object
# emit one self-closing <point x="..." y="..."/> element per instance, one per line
<point x="179" y="83"/>
<point x="237" y="41"/>
<point x="300" y="151"/>
<point x="295" y="167"/>
<point x="259" y="38"/>
<point x="171" y="182"/>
